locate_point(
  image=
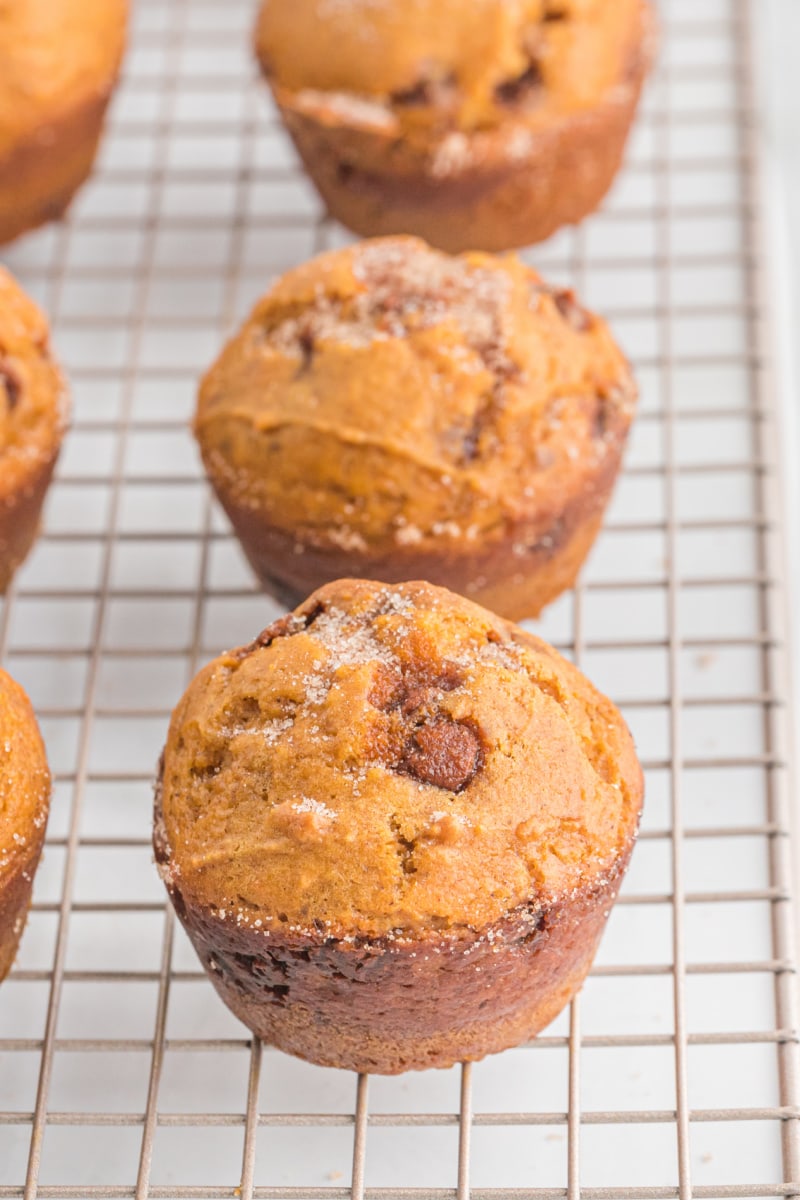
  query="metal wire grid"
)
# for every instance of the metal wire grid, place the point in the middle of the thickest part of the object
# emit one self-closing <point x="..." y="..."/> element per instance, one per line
<point x="674" y="1075"/>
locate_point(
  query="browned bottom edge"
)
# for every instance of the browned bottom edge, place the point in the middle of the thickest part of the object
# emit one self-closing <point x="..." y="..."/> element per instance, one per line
<point x="15" y="901"/>
<point x="39" y="176"/>
<point x="19" y="519"/>
<point x="400" y="1003"/>
<point x="516" y="574"/>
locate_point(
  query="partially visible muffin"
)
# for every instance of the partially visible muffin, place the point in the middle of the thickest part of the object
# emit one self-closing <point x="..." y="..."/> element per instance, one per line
<point x="480" y="125"/>
<point x="24" y="805"/>
<point x="58" y="64"/>
<point x="391" y="412"/>
<point x="33" y="413"/>
<point x="393" y="827"/>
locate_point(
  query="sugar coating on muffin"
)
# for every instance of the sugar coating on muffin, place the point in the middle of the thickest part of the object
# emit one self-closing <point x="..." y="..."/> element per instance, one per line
<point x="392" y="760"/>
<point x="24" y="802"/>
<point x="33" y="416"/>
<point x="392" y="411"/>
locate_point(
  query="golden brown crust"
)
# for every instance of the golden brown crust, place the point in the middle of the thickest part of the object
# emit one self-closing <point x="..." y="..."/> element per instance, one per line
<point x="391" y="412"/>
<point x="33" y="411"/>
<point x="58" y="64"/>
<point x="471" y="172"/>
<point x="24" y="803"/>
<point x="393" y="780"/>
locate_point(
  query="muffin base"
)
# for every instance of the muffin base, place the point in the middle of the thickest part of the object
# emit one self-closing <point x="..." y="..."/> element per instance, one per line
<point x="15" y="900"/>
<point x="400" y="1003"/>
<point x="516" y="576"/>
<point x="515" y="587"/>
<point x="20" y="514"/>
<point x="492" y="190"/>
<point x="40" y="176"/>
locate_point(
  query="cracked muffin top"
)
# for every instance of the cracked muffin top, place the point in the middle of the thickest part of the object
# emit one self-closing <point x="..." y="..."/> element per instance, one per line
<point x="447" y="64"/>
<point x="392" y="758"/>
<point x="415" y="391"/>
<point x="55" y="55"/>
<point x="33" y="403"/>
<point x="24" y="780"/>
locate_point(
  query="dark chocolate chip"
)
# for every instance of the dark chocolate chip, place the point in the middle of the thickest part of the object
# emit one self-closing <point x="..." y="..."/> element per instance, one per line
<point x="420" y="93"/>
<point x="287" y="626"/>
<point x="469" y="446"/>
<point x="283" y="627"/>
<point x="445" y="753"/>
<point x="576" y="317"/>
<point x="11" y="382"/>
<point x="205" y="770"/>
<point x="602" y="418"/>
<point x="425" y="92"/>
<point x="312" y="614"/>
<point x="305" y="339"/>
<point x="522" y="89"/>
<point x="485" y="415"/>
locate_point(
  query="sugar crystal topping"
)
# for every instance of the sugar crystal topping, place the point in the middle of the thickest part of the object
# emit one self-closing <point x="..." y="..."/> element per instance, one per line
<point x="407" y="288"/>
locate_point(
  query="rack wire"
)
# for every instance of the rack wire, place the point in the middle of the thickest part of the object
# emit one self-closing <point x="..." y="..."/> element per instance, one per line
<point x="674" y="1075"/>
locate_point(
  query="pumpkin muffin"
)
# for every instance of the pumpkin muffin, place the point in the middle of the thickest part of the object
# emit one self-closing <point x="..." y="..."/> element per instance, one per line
<point x="58" y="65"/>
<point x="24" y="804"/>
<point x="393" y="827"/>
<point x="394" y="413"/>
<point x="484" y="125"/>
<point x="33" y="411"/>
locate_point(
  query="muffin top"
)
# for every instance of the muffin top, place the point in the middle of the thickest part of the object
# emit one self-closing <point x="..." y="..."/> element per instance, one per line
<point x="55" y="54"/>
<point x="444" y="63"/>
<point x="392" y="758"/>
<point x="414" y="394"/>
<point x="33" y="403"/>
<point x="24" y="780"/>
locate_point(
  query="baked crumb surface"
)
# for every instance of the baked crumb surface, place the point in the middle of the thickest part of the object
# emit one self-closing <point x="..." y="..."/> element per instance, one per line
<point x="392" y="759"/>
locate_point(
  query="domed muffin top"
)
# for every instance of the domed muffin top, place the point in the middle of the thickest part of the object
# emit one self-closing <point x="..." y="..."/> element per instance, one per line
<point x="33" y="404"/>
<point x="24" y="779"/>
<point x="392" y="759"/>
<point x="55" y="53"/>
<point x="465" y="384"/>
<point x="450" y="64"/>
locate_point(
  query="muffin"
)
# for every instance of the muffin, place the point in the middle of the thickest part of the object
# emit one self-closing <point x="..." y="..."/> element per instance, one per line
<point x="24" y="804"/>
<point x="485" y="125"/>
<point x="393" y="827"/>
<point x="394" y="413"/>
<point x="33" y="411"/>
<point x="58" y="64"/>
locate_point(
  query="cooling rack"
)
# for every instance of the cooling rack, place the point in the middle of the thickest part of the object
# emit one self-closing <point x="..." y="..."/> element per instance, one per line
<point x="675" y="1073"/>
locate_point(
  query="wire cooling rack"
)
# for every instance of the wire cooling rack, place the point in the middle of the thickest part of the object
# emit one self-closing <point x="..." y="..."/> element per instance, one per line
<point x="675" y="1073"/>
